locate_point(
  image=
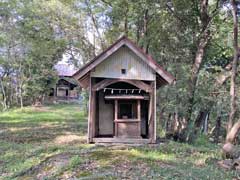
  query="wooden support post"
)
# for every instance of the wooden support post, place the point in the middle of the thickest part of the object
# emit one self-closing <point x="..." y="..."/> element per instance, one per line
<point x="116" y="116"/>
<point x="91" y="113"/>
<point x="90" y="138"/>
<point x="97" y="114"/>
<point x="139" y="115"/>
<point x="152" y="114"/>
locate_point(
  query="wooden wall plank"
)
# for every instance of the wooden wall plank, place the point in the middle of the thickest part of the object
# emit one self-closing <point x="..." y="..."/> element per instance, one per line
<point x="124" y="58"/>
<point x="100" y="59"/>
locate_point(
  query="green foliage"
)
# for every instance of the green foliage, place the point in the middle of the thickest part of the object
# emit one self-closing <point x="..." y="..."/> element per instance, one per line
<point x="202" y="141"/>
<point x="34" y="37"/>
<point x="75" y="161"/>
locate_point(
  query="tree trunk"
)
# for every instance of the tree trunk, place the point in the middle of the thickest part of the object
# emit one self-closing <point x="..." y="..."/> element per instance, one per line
<point x="4" y="103"/>
<point x="20" y="84"/>
<point x="199" y="120"/>
<point x="167" y="125"/>
<point x="126" y="23"/>
<point x="145" y="31"/>
<point x="205" y="123"/>
<point x="232" y="134"/>
<point x="198" y="125"/>
<point x="95" y="24"/>
<point x="20" y="96"/>
<point x="202" y="43"/>
<point x="138" y="30"/>
<point x="195" y="71"/>
<point x="234" y="67"/>
<point x="217" y="129"/>
<point x="161" y="116"/>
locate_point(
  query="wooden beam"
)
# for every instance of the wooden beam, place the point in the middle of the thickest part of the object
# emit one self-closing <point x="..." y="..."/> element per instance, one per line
<point x="127" y="120"/>
<point x="122" y="140"/>
<point x="124" y="97"/>
<point x="106" y="82"/>
<point x="84" y="81"/>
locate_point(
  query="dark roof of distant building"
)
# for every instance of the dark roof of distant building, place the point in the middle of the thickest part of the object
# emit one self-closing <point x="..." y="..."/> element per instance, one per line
<point x="64" y="70"/>
<point x="70" y="80"/>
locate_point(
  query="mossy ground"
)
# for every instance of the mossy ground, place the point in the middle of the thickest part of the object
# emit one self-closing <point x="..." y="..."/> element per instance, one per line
<point x="50" y="143"/>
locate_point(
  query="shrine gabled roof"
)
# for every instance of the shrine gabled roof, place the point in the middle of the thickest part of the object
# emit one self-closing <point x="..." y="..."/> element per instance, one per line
<point x="162" y="75"/>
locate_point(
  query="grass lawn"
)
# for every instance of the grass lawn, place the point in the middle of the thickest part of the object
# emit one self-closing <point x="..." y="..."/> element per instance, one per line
<point x="50" y="143"/>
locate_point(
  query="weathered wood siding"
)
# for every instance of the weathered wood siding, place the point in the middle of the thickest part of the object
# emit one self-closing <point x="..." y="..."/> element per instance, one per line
<point x="124" y="58"/>
<point x="105" y="116"/>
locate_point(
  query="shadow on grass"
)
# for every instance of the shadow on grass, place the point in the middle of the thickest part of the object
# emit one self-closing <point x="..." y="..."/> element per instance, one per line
<point x="38" y="134"/>
<point x="168" y="161"/>
<point x="42" y="124"/>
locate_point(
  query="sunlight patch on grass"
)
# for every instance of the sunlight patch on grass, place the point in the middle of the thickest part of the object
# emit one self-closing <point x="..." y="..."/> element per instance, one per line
<point x="152" y="155"/>
<point x="66" y="139"/>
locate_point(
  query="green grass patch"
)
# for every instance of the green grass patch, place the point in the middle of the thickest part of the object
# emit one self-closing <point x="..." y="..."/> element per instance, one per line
<point x="50" y="142"/>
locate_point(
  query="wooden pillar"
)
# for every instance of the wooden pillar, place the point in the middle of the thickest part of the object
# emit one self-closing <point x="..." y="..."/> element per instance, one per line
<point x="139" y="115"/>
<point x="116" y="116"/>
<point x="152" y="114"/>
<point x="96" y="114"/>
<point x="91" y="113"/>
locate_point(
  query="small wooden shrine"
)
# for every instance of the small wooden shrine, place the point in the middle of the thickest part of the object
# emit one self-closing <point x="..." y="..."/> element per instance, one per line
<point x="122" y="83"/>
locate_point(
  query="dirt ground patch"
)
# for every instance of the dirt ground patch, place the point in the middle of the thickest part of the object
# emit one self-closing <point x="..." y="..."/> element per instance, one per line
<point x="47" y="168"/>
<point x="70" y="139"/>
